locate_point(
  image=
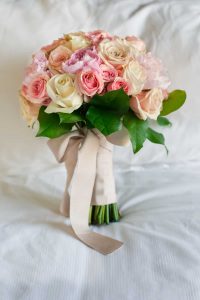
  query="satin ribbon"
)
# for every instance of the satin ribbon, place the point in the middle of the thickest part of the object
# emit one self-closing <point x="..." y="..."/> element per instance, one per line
<point x="79" y="152"/>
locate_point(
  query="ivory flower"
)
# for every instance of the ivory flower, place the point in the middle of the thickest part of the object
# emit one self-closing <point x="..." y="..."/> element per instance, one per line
<point x="135" y="75"/>
<point x="77" y="40"/>
<point x="114" y="52"/>
<point x="63" y="94"/>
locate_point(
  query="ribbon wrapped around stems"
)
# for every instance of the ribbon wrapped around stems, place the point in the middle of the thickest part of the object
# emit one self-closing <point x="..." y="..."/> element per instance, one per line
<point x="90" y="181"/>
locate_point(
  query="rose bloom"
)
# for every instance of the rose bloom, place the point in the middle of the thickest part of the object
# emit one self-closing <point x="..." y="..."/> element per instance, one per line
<point x="147" y="104"/>
<point x="82" y="59"/>
<point x="29" y="110"/>
<point x="118" y="83"/>
<point x="114" y="52"/>
<point x="138" y="47"/>
<point x="108" y="73"/>
<point x="54" y="45"/>
<point x="89" y="82"/>
<point x="97" y="36"/>
<point x="34" y="88"/>
<point x="57" y="57"/>
<point x="156" y="73"/>
<point x="63" y="94"/>
<point x="135" y="75"/>
<point x="77" y="40"/>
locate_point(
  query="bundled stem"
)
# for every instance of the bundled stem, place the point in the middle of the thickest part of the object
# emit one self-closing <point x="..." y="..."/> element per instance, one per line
<point x="104" y="214"/>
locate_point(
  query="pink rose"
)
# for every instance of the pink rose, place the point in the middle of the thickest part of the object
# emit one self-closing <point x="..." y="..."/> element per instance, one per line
<point x="117" y="84"/>
<point x="34" y="88"/>
<point x="89" y="82"/>
<point x="81" y="60"/>
<point x="58" y="56"/>
<point x="156" y="74"/>
<point x="108" y="73"/>
<point x="97" y="36"/>
<point x="147" y="104"/>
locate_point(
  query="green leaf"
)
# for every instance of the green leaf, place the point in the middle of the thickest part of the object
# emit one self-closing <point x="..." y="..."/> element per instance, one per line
<point x="50" y="125"/>
<point x="106" y="122"/>
<point x="137" y="130"/>
<point x="70" y="118"/>
<point x="156" y="137"/>
<point x="117" y="101"/>
<point x="162" y="121"/>
<point x="175" y="100"/>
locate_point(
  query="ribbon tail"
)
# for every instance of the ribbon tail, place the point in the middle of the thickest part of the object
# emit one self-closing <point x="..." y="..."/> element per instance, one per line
<point x="80" y="198"/>
<point x="65" y="148"/>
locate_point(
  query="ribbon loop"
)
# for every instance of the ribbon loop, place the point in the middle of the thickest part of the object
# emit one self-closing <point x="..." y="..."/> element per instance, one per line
<point x="80" y="154"/>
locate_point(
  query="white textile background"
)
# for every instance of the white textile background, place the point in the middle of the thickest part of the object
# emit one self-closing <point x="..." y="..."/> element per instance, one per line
<point x="159" y="195"/>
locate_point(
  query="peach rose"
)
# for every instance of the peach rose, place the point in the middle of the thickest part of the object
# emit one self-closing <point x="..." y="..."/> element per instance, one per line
<point x="117" y="84"/>
<point x="54" y="45"/>
<point x="89" y="82"/>
<point x="57" y="57"/>
<point x="147" y="104"/>
<point x="135" y="75"/>
<point x="29" y="110"/>
<point x="34" y="88"/>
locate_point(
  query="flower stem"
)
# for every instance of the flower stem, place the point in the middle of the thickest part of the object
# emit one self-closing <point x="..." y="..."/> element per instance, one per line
<point x="104" y="214"/>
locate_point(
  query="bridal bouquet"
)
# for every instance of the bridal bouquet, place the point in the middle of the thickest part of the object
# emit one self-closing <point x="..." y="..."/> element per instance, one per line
<point x="89" y="91"/>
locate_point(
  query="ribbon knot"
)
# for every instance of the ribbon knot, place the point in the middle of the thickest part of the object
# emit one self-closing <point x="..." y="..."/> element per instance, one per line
<point x="89" y="181"/>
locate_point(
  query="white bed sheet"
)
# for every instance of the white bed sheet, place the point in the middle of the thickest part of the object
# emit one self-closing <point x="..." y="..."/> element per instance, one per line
<point x="159" y="196"/>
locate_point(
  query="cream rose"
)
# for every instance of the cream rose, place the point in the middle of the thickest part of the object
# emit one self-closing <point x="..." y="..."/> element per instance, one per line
<point x="77" y="40"/>
<point x="148" y="104"/>
<point x="63" y="94"/>
<point x="135" y="75"/>
<point x="114" y="52"/>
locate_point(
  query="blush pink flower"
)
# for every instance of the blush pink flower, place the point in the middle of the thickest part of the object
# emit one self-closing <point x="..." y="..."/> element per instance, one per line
<point x="136" y="43"/>
<point x="34" y="88"/>
<point x="89" y="83"/>
<point x="81" y="60"/>
<point x="97" y="36"/>
<point x="156" y="74"/>
<point x="39" y="63"/>
<point x="108" y="73"/>
<point x="147" y="104"/>
<point x="118" y="83"/>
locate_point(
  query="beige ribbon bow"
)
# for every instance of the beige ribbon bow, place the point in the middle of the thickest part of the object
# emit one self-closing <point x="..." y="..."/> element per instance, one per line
<point x="80" y="152"/>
